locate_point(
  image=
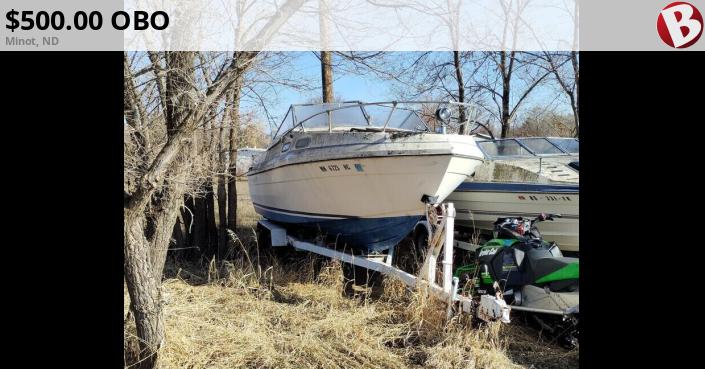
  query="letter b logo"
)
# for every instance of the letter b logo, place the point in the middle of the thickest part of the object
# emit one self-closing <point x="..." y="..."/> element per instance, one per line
<point x="680" y="25"/>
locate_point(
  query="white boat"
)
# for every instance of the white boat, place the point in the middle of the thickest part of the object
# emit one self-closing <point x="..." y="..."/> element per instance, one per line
<point x="246" y="157"/>
<point x="358" y="172"/>
<point x="524" y="177"/>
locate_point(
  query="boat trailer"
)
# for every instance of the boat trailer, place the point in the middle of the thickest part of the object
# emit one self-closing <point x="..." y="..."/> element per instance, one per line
<point x="489" y="308"/>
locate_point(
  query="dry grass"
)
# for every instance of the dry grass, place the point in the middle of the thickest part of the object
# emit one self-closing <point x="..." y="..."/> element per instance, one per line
<point x="236" y="321"/>
<point x="243" y="315"/>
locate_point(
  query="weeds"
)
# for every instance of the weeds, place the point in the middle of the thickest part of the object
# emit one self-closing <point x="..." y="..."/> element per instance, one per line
<point x="254" y="312"/>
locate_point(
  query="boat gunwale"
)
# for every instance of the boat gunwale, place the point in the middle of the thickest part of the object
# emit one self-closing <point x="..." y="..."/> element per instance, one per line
<point x="345" y="156"/>
<point x="557" y="188"/>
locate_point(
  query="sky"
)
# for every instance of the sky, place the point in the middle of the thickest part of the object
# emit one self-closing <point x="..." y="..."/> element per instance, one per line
<point x="366" y="88"/>
<point x="345" y="86"/>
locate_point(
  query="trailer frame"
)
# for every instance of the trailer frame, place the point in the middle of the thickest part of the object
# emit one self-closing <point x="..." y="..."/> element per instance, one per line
<point x="489" y="308"/>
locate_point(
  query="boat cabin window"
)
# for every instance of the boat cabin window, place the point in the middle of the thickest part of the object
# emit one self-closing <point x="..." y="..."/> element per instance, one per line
<point x="302" y="142"/>
<point x="569" y="145"/>
<point x="540" y="146"/>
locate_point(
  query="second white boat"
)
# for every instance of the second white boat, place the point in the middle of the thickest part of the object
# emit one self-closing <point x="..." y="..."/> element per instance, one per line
<point x="523" y="177"/>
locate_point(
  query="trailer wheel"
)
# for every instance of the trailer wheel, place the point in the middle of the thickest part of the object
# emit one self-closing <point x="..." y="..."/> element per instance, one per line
<point x="409" y="253"/>
<point x="421" y="242"/>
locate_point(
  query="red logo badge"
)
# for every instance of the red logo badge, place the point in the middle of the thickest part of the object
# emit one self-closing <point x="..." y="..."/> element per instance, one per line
<point x="680" y="24"/>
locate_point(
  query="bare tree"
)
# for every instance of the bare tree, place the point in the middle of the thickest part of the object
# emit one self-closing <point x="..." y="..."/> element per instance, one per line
<point x="500" y="82"/>
<point x="223" y="146"/>
<point x="151" y="211"/>
<point x="350" y="62"/>
<point x="241" y="62"/>
<point x="258" y="72"/>
<point x="327" y="76"/>
<point x="544" y="122"/>
<point x="461" y="88"/>
<point x="437" y="75"/>
<point x="156" y="193"/>
<point x="325" y="55"/>
<point x="508" y="80"/>
<point x="568" y="80"/>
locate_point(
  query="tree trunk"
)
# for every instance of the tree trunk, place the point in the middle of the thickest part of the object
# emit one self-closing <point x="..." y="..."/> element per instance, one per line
<point x="222" y="192"/>
<point x="327" y="76"/>
<point x="163" y="184"/>
<point x="144" y="266"/>
<point x="575" y="101"/>
<point x="143" y="288"/>
<point x="171" y="201"/>
<point x="180" y="232"/>
<point x="200" y="230"/>
<point x="241" y="62"/>
<point x="212" y="229"/>
<point x="326" y="56"/>
<point x="232" y="178"/>
<point x="145" y="259"/>
<point x="207" y="154"/>
<point x="461" y="91"/>
<point x="135" y="114"/>
<point x="506" y="70"/>
<point x="160" y="76"/>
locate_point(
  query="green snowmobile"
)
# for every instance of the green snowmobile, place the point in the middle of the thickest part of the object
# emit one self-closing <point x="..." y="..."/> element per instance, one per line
<point x="531" y="274"/>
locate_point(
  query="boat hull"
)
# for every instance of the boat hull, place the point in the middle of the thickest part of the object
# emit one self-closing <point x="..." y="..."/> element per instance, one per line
<point x="370" y="234"/>
<point x="368" y="203"/>
<point x="479" y="204"/>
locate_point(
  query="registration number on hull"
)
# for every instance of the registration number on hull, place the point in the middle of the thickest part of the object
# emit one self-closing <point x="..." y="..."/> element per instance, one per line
<point x="544" y="197"/>
<point x="342" y="167"/>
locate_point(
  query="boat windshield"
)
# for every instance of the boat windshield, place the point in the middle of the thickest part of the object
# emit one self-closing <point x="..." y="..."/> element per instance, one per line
<point x="540" y="146"/>
<point x="570" y="145"/>
<point x="349" y="115"/>
<point x="529" y="147"/>
<point x="504" y="148"/>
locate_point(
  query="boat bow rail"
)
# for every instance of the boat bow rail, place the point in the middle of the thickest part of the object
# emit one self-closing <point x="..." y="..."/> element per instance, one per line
<point x="401" y="116"/>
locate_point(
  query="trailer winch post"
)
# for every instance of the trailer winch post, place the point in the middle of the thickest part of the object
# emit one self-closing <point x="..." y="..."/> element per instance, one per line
<point x="452" y="297"/>
<point x="448" y="248"/>
<point x="431" y="268"/>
